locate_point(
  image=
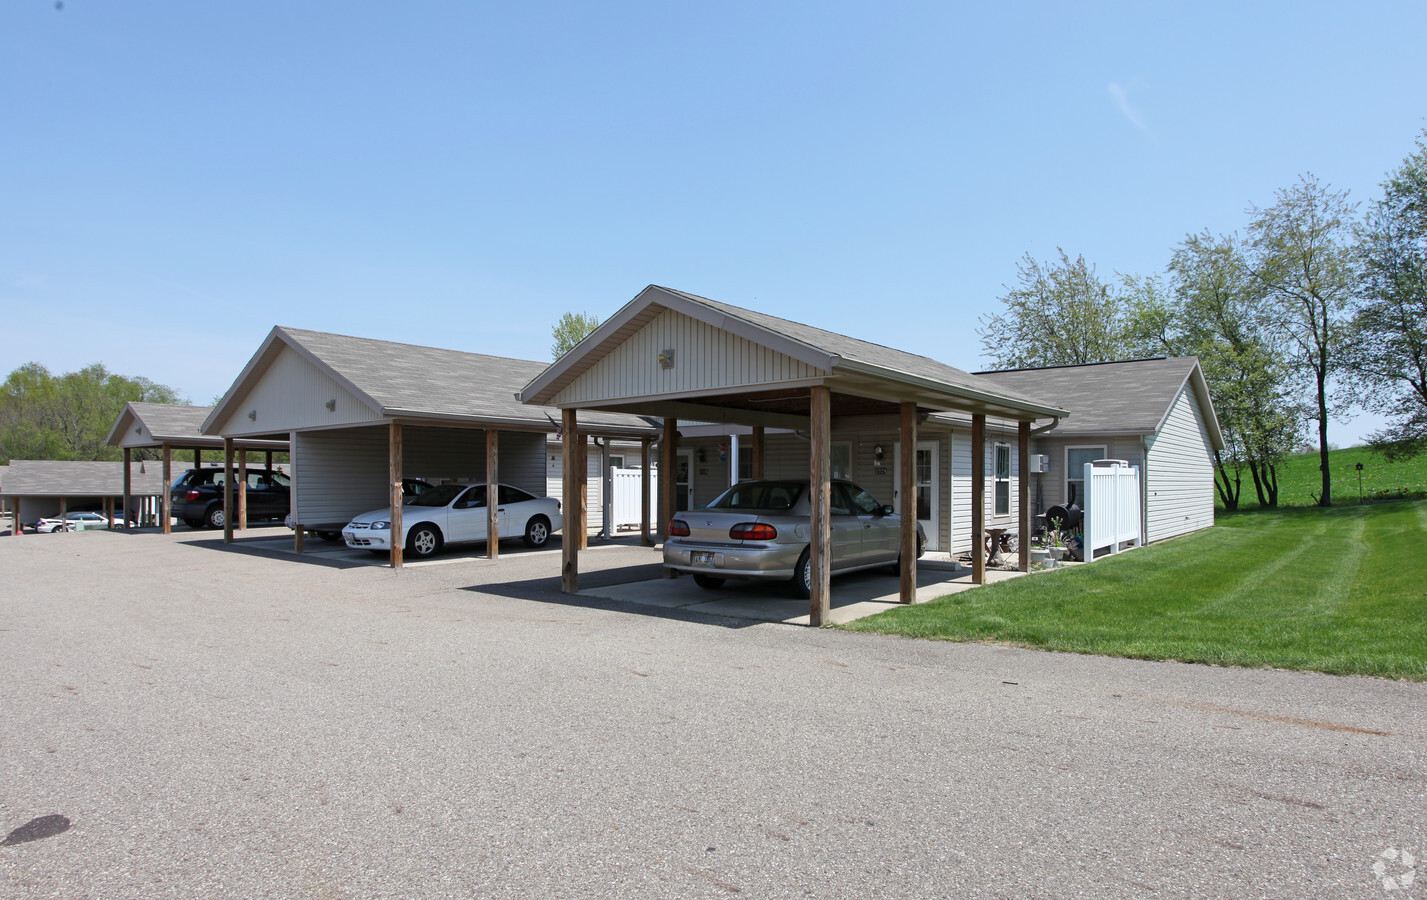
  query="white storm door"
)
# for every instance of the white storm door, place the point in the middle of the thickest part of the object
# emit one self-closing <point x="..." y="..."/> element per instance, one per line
<point x="927" y="486"/>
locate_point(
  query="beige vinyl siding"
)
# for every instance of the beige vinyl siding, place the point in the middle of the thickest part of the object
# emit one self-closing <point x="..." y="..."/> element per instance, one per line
<point x="343" y="472"/>
<point x="1048" y="489"/>
<point x="961" y="488"/>
<point x="292" y="395"/>
<point x="594" y="483"/>
<point x="1179" y="479"/>
<point x="704" y="357"/>
<point x="338" y="474"/>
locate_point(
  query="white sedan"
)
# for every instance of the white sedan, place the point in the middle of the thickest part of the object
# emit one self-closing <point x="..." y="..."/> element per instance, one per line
<point x="75" y="521"/>
<point x="455" y="514"/>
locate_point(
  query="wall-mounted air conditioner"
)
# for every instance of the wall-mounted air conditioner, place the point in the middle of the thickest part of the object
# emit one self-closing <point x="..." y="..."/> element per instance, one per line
<point x="1040" y="462"/>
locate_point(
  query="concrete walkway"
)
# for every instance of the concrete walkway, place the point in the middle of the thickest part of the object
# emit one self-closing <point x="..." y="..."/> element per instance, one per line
<point x="854" y="596"/>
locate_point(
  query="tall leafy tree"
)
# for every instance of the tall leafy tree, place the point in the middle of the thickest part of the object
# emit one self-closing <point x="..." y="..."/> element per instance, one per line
<point x="1303" y="254"/>
<point x="1389" y="350"/>
<point x="1220" y="316"/>
<point x="570" y="330"/>
<point x="1057" y="314"/>
<point x="43" y="416"/>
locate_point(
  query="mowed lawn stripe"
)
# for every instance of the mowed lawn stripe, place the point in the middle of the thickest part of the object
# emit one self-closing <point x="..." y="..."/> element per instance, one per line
<point x="1340" y="590"/>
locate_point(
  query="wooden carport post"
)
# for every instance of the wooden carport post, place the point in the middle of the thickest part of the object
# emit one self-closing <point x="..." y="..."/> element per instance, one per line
<point x="569" y="544"/>
<point x="1024" y="495"/>
<point x="166" y="501"/>
<point x="978" y="498"/>
<point x="757" y="453"/>
<point x="668" y="450"/>
<point x="820" y="488"/>
<point x="644" y="539"/>
<point x="128" y="483"/>
<point x="908" y="489"/>
<point x="242" y="490"/>
<point x="227" y="490"/>
<point x="393" y="461"/>
<point x="492" y="494"/>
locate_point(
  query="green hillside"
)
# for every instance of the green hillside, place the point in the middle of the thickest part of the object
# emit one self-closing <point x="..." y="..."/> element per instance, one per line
<point x="1300" y="483"/>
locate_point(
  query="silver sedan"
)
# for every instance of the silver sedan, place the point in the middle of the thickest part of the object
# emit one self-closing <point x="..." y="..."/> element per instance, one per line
<point x="761" y="530"/>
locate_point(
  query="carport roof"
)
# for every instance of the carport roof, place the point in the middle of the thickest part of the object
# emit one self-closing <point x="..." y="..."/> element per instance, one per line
<point x="934" y="384"/>
<point x="410" y="381"/>
<point x="155" y="424"/>
<point x="1133" y="397"/>
<point x="79" y="478"/>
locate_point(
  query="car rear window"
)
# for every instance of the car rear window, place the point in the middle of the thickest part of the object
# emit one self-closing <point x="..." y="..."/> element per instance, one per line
<point x="771" y="495"/>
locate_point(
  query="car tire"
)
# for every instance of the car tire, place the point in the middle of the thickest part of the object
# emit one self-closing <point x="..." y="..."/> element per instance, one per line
<point x="214" y="517"/>
<point x="803" y="576"/>
<point x="537" y="532"/>
<point x="424" y="541"/>
<point x="330" y="536"/>
<point x="61" y="528"/>
<point x="709" y="582"/>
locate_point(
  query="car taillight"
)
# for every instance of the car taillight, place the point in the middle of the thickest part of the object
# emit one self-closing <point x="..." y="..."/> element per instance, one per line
<point x="191" y="495"/>
<point x="678" y="528"/>
<point x="753" y="531"/>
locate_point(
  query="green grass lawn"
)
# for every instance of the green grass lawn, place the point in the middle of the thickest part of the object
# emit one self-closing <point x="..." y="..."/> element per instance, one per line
<point x="1341" y="590"/>
<point x="1299" y="481"/>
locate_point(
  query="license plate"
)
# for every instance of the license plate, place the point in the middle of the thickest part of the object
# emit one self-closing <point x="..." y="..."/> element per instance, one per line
<point x="701" y="558"/>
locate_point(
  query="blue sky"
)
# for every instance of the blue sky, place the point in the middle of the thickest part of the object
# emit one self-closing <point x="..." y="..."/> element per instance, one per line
<point x="177" y="178"/>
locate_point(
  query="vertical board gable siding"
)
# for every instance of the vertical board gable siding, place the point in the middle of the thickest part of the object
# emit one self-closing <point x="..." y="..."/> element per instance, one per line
<point x="292" y="395"/>
<point x="705" y="357"/>
<point x="1179" y="476"/>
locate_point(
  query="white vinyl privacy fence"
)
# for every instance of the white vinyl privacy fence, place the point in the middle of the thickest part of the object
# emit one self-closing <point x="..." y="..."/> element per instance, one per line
<point x="1113" y="512"/>
<point x="625" y="497"/>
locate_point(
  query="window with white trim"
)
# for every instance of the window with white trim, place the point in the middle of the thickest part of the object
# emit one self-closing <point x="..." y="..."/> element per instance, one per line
<point x="1075" y="460"/>
<point x="1002" y="475"/>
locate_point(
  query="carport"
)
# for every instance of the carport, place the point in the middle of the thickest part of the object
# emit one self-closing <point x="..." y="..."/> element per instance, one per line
<point x="361" y="414"/>
<point x="50" y="487"/>
<point x="166" y="428"/>
<point x="679" y="356"/>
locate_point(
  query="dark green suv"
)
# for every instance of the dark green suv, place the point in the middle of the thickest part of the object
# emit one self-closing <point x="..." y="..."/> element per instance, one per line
<point x="197" y="496"/>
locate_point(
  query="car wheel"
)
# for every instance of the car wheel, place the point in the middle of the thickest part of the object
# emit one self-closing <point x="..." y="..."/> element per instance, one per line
<point x="537" y="532"/>
<point x="330" y="536"/>
<point x="195" y="524"/>
<point x="803" y="575"/>
<point x="708" y="582"/>
<point x="424" y="541"/>
<point x="61" y="528"/>
<point x="214" y="519"/>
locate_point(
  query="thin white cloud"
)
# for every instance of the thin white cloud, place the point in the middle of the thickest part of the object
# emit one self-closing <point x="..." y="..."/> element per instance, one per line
<point x="1120" y="94"/>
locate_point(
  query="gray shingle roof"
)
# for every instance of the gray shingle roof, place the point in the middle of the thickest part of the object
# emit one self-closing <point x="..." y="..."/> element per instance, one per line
<point x="428" y="381"/>
<point x="74" y="478"/>
<point x="1105" y="398"/>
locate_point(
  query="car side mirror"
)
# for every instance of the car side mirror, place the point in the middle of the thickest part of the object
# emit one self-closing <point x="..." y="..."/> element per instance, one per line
<point x="888" y="511"/>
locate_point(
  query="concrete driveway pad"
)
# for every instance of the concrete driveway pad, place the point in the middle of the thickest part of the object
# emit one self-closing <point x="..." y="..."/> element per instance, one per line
<point x="183" y="719"/>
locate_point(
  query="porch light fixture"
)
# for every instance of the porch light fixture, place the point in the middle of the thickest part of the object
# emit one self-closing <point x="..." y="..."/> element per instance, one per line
<point x="331" y="405"/>
<point x="878" y="453"/>
<point x="666" y="359"/>
<point x="253" y="415"/>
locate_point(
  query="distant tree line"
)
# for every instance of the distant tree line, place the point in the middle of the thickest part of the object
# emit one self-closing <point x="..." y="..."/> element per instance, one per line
<point x="69" y="416"/>
<point x="1312" y="308"/>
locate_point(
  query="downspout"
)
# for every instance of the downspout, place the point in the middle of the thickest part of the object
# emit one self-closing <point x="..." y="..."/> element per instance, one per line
<point x="605" y="485"/>
<point x="1145" y="493"/>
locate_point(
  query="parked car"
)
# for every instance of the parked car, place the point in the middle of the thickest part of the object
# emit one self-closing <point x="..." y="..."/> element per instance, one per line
<point x="75" y="521"/>
<point x="761" y="530"/>
<point x="197" y="496"/>
<point x="453" y="514"/>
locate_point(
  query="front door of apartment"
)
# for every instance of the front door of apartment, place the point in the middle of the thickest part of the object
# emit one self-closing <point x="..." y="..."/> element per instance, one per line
<point x="684" y="481"/>
<point x="928" y="489"/>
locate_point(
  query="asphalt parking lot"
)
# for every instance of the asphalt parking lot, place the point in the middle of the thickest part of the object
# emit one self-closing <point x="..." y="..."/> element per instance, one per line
<point x="239" y="722"/>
